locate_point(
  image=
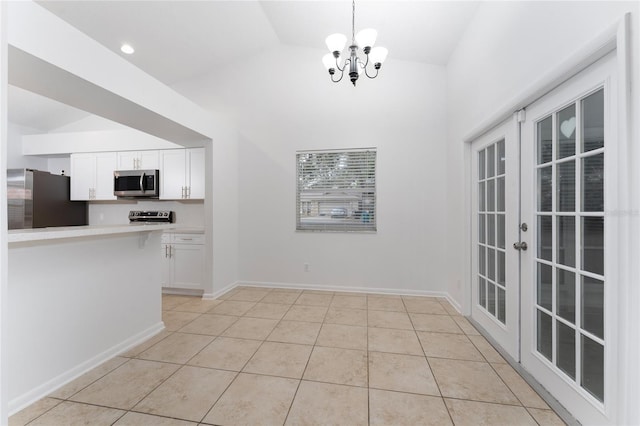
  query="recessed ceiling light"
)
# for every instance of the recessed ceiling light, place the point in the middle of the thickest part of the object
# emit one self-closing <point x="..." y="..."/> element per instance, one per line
<point x="126" y="48"/>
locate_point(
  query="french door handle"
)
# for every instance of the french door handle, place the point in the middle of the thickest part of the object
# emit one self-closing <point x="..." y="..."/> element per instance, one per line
<point x="521" y="245"/>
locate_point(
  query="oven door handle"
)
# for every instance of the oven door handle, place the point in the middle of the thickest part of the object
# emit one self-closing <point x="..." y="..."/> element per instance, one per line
<point x="142" y="182"/>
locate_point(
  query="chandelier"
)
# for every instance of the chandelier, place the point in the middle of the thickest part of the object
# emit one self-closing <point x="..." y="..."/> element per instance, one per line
<point x="355" y="65"/>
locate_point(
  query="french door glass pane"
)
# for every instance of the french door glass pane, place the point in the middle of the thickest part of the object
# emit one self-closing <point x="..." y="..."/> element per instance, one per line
<point x="481" y="197"/>
<point x="501" y="158"/>
<point x="545" y="288"/>
<point x="491" y="161"/>
<point x="491" y="264"/>
<point x="500" y="228"/>
<point x="593" y="244"/>
<point x="491" y="298"/>
<point x="566" y="132"/>
<point x="481" y="164"/>
<point x="482" y="292"/>
<point x="491" y="229"/>
<point x="566" y="295"/>
<point x="545" y="335"/>
<point x="501" y="314"/>
<point x="501" y="268"/>
<point x="481" y="229"/>
<point x="491" y="195"/>
<point x="592" y="306"/>
<point x="593" y="183"/>
<point x="566" y="247"/>
<point x="500" y="198"/>
<point x="544" y="189"/>
<point x="593" y="367"/>
<point x="566" y="349"/>
<point x="545" y="134"/>
<point x="593" y="121"/>
<point x="566" y="185"/>
<point x="482" y="265"/>
<point x="545" y="237"/>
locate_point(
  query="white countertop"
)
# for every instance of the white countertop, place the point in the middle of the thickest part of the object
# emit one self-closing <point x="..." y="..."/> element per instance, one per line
<point x="37" y="234"/>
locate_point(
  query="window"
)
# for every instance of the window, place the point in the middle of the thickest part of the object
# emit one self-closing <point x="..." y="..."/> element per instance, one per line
<point x="336" y="190"/>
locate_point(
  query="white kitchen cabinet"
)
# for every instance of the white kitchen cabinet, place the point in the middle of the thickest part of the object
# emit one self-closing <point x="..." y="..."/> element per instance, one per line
<point x="182" y="174"/>
<point x="183" y="261"/>
<point x="138" y="160"/>
<point x="92" y="176"/>
<point x="195" y="160"/>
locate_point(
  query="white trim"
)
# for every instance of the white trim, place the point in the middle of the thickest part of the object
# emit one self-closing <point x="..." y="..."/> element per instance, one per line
<point x="57" y="382"/>
<point x="182" y="291"/>
<point x="338" y="289"/>
<point x="216" y="294"/>
<point x="628" y="294"/>
<point x="589" y="53"/>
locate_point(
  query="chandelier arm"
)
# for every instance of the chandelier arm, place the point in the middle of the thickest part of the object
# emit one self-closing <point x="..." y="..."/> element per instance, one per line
<point x="364" y="64"/>
<point x="371" y="76"/>
<point x="341" y="75"/>
<point x="344" y="66"/>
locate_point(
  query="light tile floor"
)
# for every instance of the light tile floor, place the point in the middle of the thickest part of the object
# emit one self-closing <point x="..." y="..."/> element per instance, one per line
<point x="272" y="357"/>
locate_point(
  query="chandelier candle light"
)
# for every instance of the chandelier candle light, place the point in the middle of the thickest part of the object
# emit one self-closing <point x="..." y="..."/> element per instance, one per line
<point x="366" y="38"/>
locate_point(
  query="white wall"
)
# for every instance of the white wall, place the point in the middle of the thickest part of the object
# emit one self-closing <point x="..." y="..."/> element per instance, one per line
<point x="15" y="159"/>
<point x="283" y="101"/>
<point x="491" y="64"/>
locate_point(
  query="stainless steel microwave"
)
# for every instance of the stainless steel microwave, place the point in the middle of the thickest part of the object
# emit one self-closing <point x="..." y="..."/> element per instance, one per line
<point x="136" y="183"/>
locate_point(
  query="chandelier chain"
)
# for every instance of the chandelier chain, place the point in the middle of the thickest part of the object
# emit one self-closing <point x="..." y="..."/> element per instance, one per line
<point x="353" y="22"/>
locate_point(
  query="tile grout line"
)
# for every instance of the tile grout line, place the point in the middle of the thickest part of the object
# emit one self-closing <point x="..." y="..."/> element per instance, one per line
<point x="295" y="394"/>
<point x="435" y="379"/>
<point x="237" y="373"/>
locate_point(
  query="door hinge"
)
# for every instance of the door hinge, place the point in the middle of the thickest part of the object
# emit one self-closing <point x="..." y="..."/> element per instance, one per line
<point x="522" y="115"/>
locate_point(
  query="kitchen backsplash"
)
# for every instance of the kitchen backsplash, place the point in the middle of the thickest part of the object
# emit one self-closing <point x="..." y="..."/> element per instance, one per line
<point x="187" y="213"/>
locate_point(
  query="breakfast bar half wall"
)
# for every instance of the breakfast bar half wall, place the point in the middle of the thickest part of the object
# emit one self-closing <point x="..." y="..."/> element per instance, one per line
<point x="78" y="296"/>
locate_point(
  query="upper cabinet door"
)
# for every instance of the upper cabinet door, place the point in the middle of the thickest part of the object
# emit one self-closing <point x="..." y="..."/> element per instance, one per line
<point x="148" y="160"/>
<point x="196" y="173"/>
<point x="127" y="160"/>
<point x="92" y="176"/>
<point x="82" y="176"/>
<point x="138" y="160"/>
<point x="105" y="166"/>
<point x="172" y="174"/>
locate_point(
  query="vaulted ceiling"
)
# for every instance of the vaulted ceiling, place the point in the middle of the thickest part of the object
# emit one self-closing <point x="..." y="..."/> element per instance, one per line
<point x="179" y="40"/>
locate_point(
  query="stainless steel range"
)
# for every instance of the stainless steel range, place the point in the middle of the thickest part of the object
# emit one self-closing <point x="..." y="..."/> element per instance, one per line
<point x="160" y="216"/>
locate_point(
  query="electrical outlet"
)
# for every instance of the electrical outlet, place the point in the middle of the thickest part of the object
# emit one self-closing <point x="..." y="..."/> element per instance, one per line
<point x="307" y="268"/>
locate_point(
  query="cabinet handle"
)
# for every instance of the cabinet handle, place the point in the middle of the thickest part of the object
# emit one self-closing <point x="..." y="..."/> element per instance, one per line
<point x="165" y="250"/>
<point x="170" y="249"/>
<point x="188" y="192"/>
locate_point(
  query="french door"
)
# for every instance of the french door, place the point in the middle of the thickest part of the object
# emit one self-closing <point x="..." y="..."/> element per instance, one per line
<point x="550" y="302"/>
<point x="495" y="201"/>
<point x="568" y="304"/>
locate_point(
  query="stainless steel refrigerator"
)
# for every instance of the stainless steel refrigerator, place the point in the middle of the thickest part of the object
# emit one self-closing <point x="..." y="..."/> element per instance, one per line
<point x="39" y="199"/>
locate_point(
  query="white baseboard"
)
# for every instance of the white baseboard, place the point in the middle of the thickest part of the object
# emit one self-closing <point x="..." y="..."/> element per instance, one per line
<point x="350" y="289"/>
<point x="182" y="291"/>
<point x="216" y="294"/>
<point x="57" y="382"/>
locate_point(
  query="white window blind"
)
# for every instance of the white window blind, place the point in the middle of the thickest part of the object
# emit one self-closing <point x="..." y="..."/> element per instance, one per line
<point x="336" y="190"/>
